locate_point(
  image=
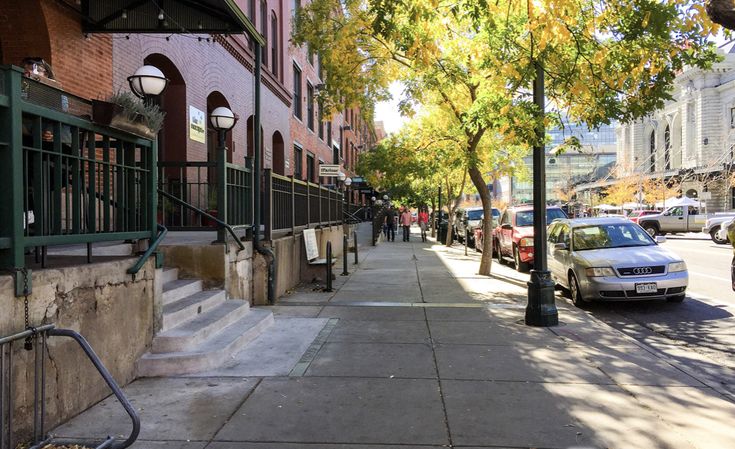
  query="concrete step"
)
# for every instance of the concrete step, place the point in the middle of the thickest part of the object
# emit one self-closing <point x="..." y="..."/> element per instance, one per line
<point x="192" y="333"/>
<point x="188" y="308"/>
<point x="176" y="290"/>
<point x="170" y="275"/>
<point x="211" y="353"/>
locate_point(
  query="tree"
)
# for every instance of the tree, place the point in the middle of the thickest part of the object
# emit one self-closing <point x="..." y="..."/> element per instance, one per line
<point x="659" y="190"/>
<point x="621" y="192"/>
<point x="477" y="60"/>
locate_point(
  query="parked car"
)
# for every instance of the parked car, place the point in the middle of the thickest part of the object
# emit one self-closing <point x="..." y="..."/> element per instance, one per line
<point x="674" y="219"/>
<point x="467" y="220"/>
<point x="637" y="214"/>
<point x="514" y="235"/>
<point x="715" y="223"/>
<point x="721" y="235"/>
<point x="612" y="259"/>
<point x="478" y="230"/>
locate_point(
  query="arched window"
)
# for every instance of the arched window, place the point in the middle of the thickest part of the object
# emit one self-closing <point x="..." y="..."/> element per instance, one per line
<point x="274" y="44"/>
<point x="264" y="30"/>
<point x="652" y="147"/>
<point x="667" y="148"/>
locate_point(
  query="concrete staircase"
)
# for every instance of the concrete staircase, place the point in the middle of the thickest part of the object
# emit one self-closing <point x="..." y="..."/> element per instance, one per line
<point x="201" y="329"/>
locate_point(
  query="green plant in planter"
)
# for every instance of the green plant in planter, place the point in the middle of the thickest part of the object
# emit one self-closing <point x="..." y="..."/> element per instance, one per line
<point x="135" y="111"/>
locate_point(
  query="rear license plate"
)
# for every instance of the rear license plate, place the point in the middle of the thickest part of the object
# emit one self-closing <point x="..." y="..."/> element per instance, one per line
<point x="648" y="287"/>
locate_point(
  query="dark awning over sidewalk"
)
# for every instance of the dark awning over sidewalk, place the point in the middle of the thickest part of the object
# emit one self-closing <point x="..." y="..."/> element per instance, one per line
<point x="166" y="16"/>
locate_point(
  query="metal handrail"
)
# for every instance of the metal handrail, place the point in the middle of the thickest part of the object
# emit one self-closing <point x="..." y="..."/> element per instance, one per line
<point x="201" y="212"/>
<point x="162" y="231"/>
<point x="109" y="442"/>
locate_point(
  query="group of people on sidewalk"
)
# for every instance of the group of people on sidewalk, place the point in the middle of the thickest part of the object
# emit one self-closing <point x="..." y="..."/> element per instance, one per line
<point x="403" y="217"/>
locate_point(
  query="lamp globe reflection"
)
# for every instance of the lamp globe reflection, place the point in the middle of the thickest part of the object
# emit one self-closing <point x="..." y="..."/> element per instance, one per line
<point x="147" y="81"/>
<point x="222" y="119"/>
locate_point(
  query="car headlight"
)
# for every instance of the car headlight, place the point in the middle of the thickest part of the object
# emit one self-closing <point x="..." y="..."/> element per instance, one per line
<point x="597" y="272"/>
<point x="677" y="266"/>
<point x="526" y="241"/>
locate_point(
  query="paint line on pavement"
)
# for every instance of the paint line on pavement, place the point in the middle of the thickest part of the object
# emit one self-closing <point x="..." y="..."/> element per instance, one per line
<point x="303" y="364"/>
<point x="719" y="278"/>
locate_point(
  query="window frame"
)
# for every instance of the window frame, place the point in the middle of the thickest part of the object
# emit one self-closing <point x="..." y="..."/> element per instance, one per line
<point x="297" y="82"/>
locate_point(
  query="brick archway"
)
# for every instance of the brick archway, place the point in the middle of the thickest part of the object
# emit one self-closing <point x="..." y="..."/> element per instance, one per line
<point x="279" y="156"/>
<point x="172" y="140"/>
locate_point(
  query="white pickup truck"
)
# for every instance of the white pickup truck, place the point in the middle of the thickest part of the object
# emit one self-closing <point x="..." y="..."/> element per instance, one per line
<point x="715" y="224"/>
<point x="672" y="220"/>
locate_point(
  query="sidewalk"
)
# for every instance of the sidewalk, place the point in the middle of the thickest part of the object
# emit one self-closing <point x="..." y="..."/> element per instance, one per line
<point x="413" y="349"/>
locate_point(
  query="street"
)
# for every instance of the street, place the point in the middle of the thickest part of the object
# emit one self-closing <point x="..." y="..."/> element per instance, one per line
<point x="698" y="333"/>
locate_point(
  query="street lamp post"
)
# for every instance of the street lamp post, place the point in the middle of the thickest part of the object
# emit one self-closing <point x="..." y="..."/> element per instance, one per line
<point x="222" y="120"/>
<point x="540" y="310"/>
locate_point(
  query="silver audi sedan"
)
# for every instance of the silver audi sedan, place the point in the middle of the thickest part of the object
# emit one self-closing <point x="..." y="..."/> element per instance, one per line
<point x="613" y="259"/>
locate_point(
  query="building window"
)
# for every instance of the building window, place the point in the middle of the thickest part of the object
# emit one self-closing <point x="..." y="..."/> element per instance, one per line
<point x="732" y="117"/>
<point x="298" y="160"/>
<point x="295" y="8"/>
<point x="310" y="168"/>
<point x="264" y="31"/>
<point x="652" y="147"/>
<point x="310" y="54"/>
<point x="251" y="16"/>
<point x="341" y="139"/>
<point x="274" y="44"/>
<point x="321" y="123"/>
<point x="667" y="148"/>
<point x="329" y="133"/>
<point x="297" y="91"/>
<point x="310" y="106"/>
<point x="335" y="155"/>
<point x="732" y="197"/>
<point x="319" y="68"/>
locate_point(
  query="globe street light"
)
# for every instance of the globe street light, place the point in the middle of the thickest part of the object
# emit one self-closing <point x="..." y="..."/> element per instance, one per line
<point x="148" y="81"/>
<point x="222" y="120"/>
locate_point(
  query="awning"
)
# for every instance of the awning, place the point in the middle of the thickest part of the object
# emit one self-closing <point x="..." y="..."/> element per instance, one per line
<point x="167" y="17"/>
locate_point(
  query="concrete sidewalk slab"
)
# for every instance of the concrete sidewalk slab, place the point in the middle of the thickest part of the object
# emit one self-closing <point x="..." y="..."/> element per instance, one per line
<point x="169" y="408"/>
<point x="364" y="331"/>
<point x="373" y="313"/>
<point x="341" y="410"/>
<point x="239" y="445"/>
<point x="408" y="361"/>
<point x="493" y="333"/>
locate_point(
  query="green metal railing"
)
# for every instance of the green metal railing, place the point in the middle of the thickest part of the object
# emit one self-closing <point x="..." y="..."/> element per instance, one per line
<point x="66" y="180"/>
<point x="195" y="183"/>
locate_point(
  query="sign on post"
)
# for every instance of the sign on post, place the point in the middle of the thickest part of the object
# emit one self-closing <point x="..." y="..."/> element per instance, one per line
<point x="328" y="170"/>
<point x="312" y="249"/>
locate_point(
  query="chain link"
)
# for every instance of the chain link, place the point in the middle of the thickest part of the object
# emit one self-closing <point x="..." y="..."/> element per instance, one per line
<point x="28" y="345"/>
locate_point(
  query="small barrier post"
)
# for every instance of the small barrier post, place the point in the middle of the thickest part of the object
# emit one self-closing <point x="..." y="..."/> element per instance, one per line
<point x="345" y="245"/>
<point x="328" y="288"/>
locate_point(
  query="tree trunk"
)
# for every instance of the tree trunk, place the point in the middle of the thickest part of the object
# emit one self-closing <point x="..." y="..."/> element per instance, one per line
<point x="433" y="222"/>
<point x="487" y="209"/>
<point x="722" y="12"/>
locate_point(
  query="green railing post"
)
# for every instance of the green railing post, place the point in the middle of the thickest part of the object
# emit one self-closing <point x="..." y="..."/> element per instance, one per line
<point x="11" y="170"/>
<point x="221" y="184"/>
<point x="152" y="200"/>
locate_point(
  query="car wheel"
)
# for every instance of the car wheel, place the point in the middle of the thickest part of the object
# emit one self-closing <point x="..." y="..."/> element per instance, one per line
<point x="678" y="298"/>
<point x="575" y="291"/>
<point x="499" y="254"/>
<point x="713" y="234"/>
<point x="651" y="229"/>
<point x="520" y="265"/>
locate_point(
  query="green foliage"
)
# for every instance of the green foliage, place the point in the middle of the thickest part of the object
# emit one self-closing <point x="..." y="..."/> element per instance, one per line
<point x="135" y="110"/>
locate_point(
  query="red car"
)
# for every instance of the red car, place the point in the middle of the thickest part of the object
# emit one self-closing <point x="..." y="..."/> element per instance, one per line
<point x="637" y="214"/>
<point x="514" y="235"/>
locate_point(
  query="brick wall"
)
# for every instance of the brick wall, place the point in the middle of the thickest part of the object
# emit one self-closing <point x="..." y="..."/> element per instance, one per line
<point x="44" y="28"/>
<point x="205" y="67"/>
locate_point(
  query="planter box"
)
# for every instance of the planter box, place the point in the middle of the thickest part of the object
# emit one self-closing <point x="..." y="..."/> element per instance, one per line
<point x="112" y="115"/>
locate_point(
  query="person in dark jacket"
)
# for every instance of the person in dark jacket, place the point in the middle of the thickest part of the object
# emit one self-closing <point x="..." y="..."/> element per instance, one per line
<point x="390" y="223"/>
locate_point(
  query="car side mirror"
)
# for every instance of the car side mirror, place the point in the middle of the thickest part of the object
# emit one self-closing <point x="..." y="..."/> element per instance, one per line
<point x="560" y="246"/>
<point x="660" y="239"/>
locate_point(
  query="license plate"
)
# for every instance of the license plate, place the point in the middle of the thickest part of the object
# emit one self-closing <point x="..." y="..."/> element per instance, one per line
<point x="648" y="287"/>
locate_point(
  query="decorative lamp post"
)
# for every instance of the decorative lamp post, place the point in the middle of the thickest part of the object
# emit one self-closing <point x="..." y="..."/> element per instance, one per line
<point x="222" y="120"/>
<point x="147" y="82"/>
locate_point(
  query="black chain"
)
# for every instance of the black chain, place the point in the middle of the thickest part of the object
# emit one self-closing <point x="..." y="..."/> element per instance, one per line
<point x="28" y="345"/>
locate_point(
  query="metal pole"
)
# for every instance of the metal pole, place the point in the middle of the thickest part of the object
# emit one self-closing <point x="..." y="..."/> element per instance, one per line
<point x="344" y="255"/>
<point x="438" y="217"/>
<point x="328" y="264"/>
<point x="354" y="241"/>
<point x="540" y="310"/>
<point x="221" y="184"/>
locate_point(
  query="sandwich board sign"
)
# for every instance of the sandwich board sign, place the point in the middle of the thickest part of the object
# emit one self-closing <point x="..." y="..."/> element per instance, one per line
<point x="312" y="249"/>
<point x="328" y="170"/>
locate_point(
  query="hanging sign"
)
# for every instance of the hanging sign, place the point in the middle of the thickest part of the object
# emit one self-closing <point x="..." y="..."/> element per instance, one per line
<point x="328" y="170"/>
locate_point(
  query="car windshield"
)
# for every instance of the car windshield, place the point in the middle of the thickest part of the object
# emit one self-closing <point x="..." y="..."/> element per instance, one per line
<point x="525" y="217"/>
<point x="474" y="214"/>
<point x="616" y="235"/>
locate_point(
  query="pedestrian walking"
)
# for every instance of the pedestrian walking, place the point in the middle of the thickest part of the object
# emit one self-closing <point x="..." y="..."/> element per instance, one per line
<point x="423" y="221"/>
<point x="731" y="236"/>
<point x="390" y="224"/>
<point x="406" y="223"/>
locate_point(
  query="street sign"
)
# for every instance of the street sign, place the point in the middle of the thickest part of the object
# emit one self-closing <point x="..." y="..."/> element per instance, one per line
<point x="328" y="170"/>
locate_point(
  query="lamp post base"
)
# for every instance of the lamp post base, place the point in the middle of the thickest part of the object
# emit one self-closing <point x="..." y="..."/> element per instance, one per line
<point x="541" y="309"/>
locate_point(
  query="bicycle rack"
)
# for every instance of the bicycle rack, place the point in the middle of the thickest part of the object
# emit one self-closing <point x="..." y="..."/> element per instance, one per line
<point x="39" y="338"/>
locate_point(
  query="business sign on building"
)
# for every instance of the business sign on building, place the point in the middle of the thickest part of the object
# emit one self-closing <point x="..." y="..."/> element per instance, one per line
<point x="328" y="170"/>
<point x="197" y="125"/>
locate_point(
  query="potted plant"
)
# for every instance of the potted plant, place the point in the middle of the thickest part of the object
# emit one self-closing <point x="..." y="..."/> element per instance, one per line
<point x="127" y="112"/>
